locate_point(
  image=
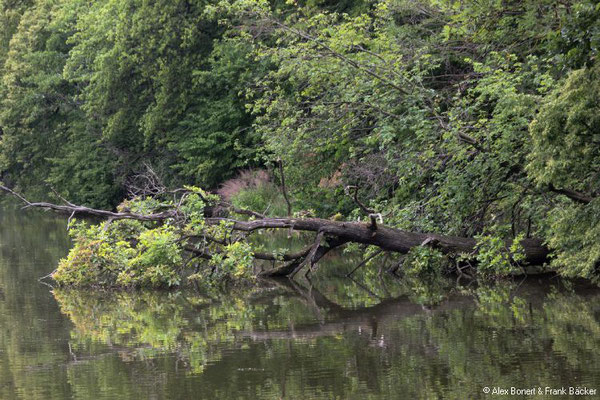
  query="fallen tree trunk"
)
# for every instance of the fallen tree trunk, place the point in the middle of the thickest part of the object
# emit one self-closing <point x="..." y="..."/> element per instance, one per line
<point x="329" y="235"/>
<point x="386" y="238"/>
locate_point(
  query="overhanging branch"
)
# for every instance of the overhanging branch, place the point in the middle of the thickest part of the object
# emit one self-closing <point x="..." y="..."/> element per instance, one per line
<point x="334" y="233"/>
<point x="573" y="195"/>
<point x="82" y="210"/>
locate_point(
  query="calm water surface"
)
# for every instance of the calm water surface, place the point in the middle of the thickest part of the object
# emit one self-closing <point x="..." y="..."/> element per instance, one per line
<point x="332" y="339"/>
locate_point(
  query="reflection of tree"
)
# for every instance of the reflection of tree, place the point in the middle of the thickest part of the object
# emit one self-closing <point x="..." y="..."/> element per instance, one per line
<point x="286" y="339"/>
<point x="574" y="327"/>
<point x="335" y="319"/>
<point x="507" y="340"/>
<point x="192" y="326"/>
<point x="30" y="354"/>
<point x="332" y="338"/>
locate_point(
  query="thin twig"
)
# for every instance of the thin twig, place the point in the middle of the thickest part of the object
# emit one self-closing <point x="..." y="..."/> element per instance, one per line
<point x="283" y="188"/>
<point x="354" y="197"/>
<point x="363" y="262"/>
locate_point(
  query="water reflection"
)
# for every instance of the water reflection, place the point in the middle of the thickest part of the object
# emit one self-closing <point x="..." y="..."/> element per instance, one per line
<point x="32" y="332"/>
<point x="373" y="338"/>
<point x="286" y="339"/>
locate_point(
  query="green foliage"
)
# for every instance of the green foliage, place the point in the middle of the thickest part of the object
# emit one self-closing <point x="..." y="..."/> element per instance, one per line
<point x="100" y="253"/>
<point x="264" y="198"/>
<point x="424" y="261"/>
<point x="236" y="261"/>
<point x="494" y="258"/>
<point x="129" y="253"/>
<point x="46" y="137"/>
<point x="575" y="234"/>
<point x="427" y="108"/>
<point x="460" y="118"/>
<point x="565" y="134"/>
<point x="577" y="44"/>
<point x="157" y="260"/>
<point x="10" y="16"/>
<point x="565" y="154"/>
<point x="424" y="269"/>
<point x="214" y="138"/>
<point x="91" y="92"/>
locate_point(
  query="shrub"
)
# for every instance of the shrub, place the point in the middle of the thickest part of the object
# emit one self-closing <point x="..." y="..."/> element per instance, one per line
<point x="254" y="190"/>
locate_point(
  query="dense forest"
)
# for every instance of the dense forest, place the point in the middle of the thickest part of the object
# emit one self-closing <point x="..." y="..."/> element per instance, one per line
<point x="470" y="119"/>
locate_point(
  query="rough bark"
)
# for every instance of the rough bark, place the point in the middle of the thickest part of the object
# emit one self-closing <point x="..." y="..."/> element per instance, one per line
<point x="386" y="238"/>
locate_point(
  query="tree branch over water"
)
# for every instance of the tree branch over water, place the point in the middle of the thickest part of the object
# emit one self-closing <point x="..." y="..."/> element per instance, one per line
<point x="330" y="234"/>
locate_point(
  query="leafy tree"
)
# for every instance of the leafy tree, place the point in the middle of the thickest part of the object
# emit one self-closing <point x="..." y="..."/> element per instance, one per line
<point x="566" y="155"/>
<point x="45" y="132"/>
<point x="473" y="118"/>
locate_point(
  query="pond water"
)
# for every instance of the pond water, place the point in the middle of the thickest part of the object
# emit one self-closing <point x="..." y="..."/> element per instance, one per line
<point x="330" y="339"/>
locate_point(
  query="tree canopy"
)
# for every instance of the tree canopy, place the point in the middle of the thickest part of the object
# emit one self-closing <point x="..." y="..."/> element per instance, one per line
<point x="475" y="119"/>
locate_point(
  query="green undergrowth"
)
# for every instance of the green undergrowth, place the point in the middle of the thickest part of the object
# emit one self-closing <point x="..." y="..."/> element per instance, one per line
<point x="131" y="253"/>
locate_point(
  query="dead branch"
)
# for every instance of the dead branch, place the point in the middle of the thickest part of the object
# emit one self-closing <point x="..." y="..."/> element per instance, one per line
<point x="146" y="183"/>
<point x="82" y="210"/>
<point x="243" y="211"/>
<point x="354" y="196"/>
<point x="321" y="251"/>
<point x="308" y="260"/>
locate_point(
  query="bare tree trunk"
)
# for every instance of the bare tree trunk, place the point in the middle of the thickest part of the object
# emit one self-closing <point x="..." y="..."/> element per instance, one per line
<point x="386" y="238"/>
